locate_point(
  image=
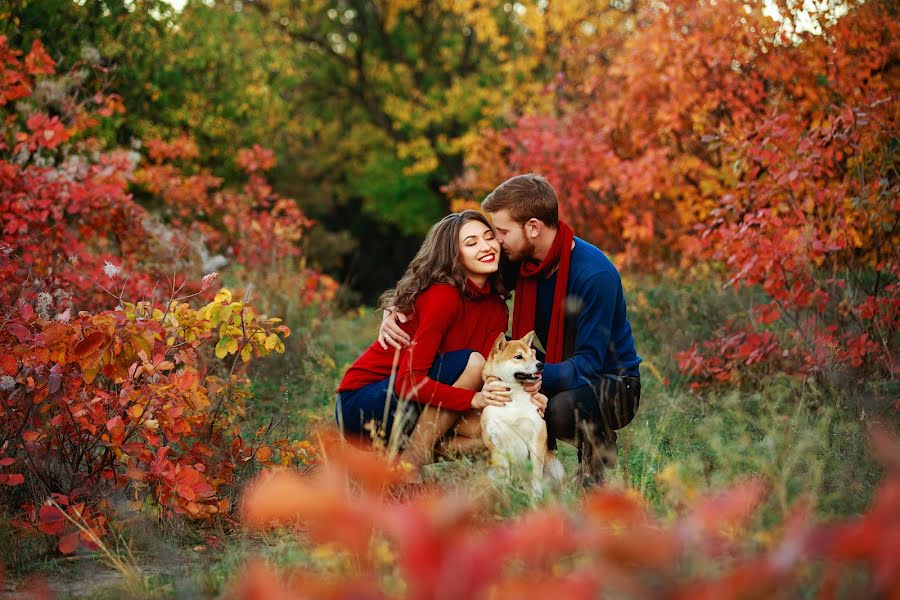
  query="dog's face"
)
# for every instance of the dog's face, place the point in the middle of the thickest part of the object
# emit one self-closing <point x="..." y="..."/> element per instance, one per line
<point x="514" y="360"/>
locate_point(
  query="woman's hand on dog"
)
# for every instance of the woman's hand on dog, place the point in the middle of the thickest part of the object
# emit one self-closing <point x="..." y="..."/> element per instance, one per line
<point x="390" y="333"/>
<point x="494" y="393"/>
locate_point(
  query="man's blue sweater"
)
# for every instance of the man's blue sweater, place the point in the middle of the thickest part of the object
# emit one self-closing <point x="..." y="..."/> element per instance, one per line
<point x="603" y="339"/>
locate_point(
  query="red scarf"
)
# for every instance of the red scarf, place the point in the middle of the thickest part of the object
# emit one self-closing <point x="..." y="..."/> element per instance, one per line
<point x="526" y="293"/>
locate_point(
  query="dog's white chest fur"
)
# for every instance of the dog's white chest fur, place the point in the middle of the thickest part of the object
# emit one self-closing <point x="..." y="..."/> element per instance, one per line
<point x="514" y="428"/>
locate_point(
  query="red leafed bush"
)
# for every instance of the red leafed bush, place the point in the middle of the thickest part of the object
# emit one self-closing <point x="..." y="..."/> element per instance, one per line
<point x="100" y="394"/>
<point x="253" y="225"/>
<point x="711" y="135"/>
<point x="727" y="357"/>
<point x="444" y="547"/>
<point x="127" y="398"/>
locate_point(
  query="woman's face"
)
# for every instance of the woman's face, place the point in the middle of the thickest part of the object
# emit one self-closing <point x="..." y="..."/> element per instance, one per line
<point x="479" y="251"/>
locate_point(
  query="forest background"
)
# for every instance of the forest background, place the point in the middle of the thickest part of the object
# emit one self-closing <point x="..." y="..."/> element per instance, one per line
<point x="199" y="202"/>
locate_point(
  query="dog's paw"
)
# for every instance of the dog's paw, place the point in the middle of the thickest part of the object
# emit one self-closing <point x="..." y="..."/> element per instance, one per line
<point x="537" y="489"/>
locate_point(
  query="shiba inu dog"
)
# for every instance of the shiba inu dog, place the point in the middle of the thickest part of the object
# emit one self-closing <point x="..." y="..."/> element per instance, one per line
<point x="516" y="432"/>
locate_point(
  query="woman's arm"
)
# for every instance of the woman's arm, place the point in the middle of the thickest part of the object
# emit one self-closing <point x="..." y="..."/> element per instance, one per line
<point x="437" y="309"/>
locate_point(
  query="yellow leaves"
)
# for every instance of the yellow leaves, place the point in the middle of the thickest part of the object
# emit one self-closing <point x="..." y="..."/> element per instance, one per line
<point x="226" y="345"/>
<point x="89" y="374"/>
<point x="271" y="341"/>
<point x="135" y="411"/>
<point x="246" y="353"/>
<point x="199" y="399"/>
<point x="421" y="153"/>
<point x="392" y="10"/>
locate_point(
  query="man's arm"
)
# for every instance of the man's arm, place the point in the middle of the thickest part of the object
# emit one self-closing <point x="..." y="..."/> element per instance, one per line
<point x="390" y="333"/>
<point x="598" y="299"/>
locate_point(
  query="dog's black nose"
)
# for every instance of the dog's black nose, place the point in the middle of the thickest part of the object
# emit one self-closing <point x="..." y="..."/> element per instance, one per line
<point x="540" y="366"/>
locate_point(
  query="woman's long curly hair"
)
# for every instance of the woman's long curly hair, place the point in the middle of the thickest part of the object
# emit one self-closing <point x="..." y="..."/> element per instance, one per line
<point x="437" y="261"/>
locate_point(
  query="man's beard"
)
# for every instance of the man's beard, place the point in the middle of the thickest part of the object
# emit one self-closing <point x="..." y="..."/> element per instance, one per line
<point x="524" y="253"/>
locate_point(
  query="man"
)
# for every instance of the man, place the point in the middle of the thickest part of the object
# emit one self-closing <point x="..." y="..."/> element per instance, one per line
<point x="570" y="293"/>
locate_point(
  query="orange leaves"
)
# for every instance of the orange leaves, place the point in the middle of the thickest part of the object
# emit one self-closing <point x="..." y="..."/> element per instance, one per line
<point x="89" y="346"/>
<point x="255" y="159"/>
<point x="608" y="545"/>
<point x="38" y="61"/>
<point x="284" y="497"/>
<point x="181" y="148"/>
<point x="191" y="485"/>
<point x="116" y="427"/>
<point x="101" y="400"/>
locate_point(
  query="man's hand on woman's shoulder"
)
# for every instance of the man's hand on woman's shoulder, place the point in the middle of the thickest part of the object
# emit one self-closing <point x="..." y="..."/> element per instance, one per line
<point x="390" y="333"/>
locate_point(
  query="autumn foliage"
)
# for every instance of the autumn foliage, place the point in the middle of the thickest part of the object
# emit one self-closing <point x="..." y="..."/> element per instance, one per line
<point x="118" y="376"/>
<point x="717" y="136"/>
<point x="443" y="545"/>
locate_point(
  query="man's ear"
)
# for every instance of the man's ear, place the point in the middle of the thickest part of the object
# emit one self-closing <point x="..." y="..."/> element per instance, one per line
<point x="534" y="227"/>
<point x="499" y="344"/>
<point x="528" y="339"/>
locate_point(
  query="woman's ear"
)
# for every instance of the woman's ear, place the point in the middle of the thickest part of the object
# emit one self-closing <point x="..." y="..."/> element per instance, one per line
<point x="499" y="344"/>
<point x="528" y="338"/>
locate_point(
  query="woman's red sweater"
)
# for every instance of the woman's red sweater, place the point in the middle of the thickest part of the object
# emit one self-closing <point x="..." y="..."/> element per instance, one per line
<point x="442" y="321"/>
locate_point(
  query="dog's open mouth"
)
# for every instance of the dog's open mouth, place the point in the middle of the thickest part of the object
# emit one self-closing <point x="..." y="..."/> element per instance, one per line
<point x="527" y="376"/>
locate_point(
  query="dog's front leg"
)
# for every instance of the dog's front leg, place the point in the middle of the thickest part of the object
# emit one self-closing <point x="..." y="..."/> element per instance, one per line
<point x="538" y="460"/>
<point x="490" y="433"/>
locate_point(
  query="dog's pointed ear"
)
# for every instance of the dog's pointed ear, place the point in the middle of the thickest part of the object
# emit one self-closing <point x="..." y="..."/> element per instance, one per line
<point x="528" y="339"/>
<point x="499" y="344"/>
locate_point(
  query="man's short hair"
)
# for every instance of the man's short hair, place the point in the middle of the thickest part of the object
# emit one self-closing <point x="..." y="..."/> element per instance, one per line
<point x="528" y="196"/>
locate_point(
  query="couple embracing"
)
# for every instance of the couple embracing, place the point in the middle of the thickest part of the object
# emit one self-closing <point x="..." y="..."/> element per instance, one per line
<point x="420" y="385"/>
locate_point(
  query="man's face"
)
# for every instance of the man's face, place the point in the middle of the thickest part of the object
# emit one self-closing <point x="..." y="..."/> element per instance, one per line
<point x="511" y="235"/>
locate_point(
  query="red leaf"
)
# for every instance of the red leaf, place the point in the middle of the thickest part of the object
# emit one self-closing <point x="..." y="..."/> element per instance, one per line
<point x="116" y="429"/>
<point x="15" y="479"/>
<point x="88" y="345"/>
<point x="20" y="331"/>
<point x="51" y="520"/>
<point x="69" y="543"/>
<point x="9" y="365"/>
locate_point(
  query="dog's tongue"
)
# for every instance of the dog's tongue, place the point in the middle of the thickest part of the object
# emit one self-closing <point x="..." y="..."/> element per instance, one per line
<point x="525" y="376"/>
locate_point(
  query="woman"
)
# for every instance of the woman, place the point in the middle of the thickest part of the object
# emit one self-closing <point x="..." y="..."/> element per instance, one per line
<point x="458" y="308"/>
